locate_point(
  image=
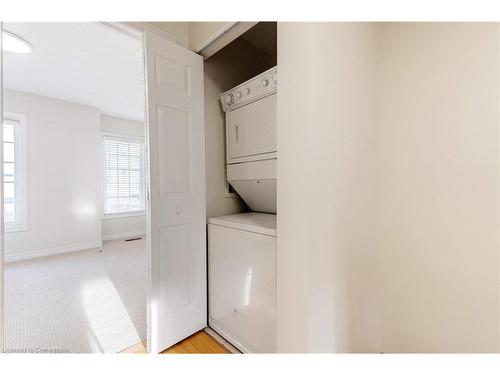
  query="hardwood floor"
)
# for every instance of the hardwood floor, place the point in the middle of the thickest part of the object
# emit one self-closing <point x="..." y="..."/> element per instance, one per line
<point x="139" y="348"/>
<point x="199" y="343"/>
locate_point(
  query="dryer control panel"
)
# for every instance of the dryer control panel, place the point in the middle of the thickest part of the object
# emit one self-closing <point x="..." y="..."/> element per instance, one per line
<point x="254" y="89"/>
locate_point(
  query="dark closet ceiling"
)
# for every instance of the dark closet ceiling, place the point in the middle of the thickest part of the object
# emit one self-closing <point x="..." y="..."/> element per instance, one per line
<point x="263" y="36"/>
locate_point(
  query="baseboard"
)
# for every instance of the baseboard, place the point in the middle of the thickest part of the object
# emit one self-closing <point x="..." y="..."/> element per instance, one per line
<point x="221" y="340"/>
<point x="53" y="251"/>
<point x="227" y="337"/>
<point x="123" y="235"/>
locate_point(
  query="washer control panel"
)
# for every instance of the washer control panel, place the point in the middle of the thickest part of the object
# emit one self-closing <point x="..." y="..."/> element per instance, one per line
<point x="256" y="88"/>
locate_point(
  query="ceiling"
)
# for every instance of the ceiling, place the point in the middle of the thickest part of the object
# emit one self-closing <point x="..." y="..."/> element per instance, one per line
<point x="86" y="63"/>
<point x="263" y="36"/>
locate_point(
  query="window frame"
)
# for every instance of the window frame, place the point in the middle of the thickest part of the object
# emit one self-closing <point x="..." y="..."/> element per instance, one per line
<point x="21" y="172"/>
<point x="128" y="138"/>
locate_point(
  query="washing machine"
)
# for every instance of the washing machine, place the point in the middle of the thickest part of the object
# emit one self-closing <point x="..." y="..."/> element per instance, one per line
<point x="242" y="281"/>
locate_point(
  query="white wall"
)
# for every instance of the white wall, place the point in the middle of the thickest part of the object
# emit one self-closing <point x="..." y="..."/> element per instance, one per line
<point x="180" y="30"/>
<point x="121" y="126"/>
<point x="177" y="30"/>
<point x="439" y="197"/>
<point x="62" y="213"/>
<point x="122" y="227"/>
<point x="233" y="65"/>
<point x="388" y="227"/>
<point x="326" y="279"/>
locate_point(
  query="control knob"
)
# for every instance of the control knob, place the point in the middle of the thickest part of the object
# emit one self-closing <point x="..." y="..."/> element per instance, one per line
<point x="229" y="99"/>
<point x="265" y="82"/>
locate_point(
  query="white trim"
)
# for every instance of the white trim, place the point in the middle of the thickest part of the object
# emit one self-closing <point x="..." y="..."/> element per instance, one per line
<point x="221" y="340"/>
<point x="137" y="29"/>
<point x="216" y="36"/>
<point x="228" y="337"/>
<point x="123" y="215"/>
<point x="21" y="172"/>
<point x="123" y="28"/>
<point x="123" y="235"/>
<point x="138" y="138"/>
<point x="52" y="251"/>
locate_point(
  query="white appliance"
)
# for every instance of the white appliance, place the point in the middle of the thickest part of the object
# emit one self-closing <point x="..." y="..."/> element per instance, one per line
<point x="251" y="140"/>
<point x="242" y="248"/>
<point x="242" y="282"/>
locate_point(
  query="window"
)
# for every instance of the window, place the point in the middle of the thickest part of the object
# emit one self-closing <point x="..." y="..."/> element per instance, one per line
<point x="15" y="201"/>
<point x="123" y="175"/>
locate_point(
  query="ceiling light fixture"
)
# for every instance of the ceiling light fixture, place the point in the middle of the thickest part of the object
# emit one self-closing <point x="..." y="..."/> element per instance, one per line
<point x="14" y="43"/>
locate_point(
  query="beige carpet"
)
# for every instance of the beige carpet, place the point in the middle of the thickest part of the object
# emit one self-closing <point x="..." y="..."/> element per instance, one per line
<point x="83" y="302"/>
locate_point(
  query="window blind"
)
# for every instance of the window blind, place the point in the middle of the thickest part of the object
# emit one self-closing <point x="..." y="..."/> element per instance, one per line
<point x="124" y="175"/>
<point x="15" y="198"/>
<point x="9" y="170"/>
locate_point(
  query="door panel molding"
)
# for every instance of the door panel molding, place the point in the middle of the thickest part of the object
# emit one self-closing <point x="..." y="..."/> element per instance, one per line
<point x="177" y="301"/>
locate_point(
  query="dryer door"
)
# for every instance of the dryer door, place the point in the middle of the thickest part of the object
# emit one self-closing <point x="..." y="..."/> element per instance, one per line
<point x="251" y="130"/>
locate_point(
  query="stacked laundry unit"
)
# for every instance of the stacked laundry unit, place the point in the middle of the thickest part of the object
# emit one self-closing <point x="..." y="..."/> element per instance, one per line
<point x="242" y="247"/>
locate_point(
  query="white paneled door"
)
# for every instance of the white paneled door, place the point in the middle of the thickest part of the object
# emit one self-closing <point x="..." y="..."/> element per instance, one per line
<point x="177" y="297"/>
<point x="1" y="195"/>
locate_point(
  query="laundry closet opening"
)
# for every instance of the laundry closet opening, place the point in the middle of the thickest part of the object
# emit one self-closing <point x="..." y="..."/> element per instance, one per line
<point x="241" y="83"/>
